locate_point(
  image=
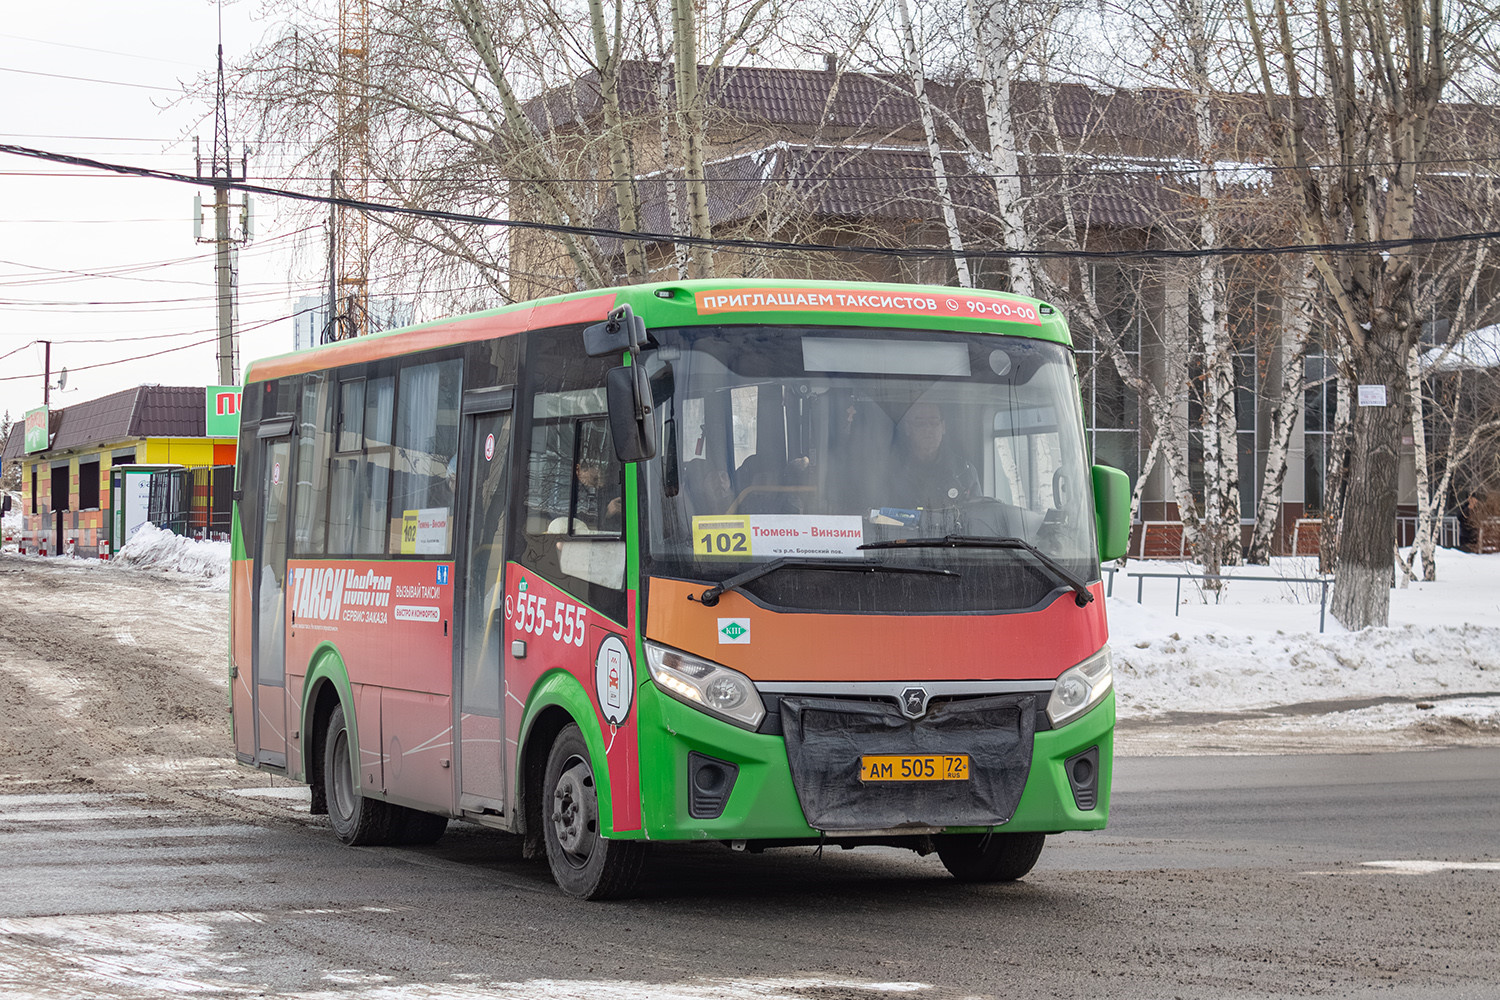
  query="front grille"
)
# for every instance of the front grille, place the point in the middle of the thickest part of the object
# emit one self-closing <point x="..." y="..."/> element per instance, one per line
<point x="771" y="724"/>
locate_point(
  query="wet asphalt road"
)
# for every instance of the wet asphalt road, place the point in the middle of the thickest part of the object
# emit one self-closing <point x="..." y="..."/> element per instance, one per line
<point x="1373" y="875"/>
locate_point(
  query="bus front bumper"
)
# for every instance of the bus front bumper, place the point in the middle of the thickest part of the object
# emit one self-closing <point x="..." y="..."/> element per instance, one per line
<point x="678" y="742"/>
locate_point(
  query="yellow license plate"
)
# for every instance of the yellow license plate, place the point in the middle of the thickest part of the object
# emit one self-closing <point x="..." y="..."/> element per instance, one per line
<point x="950" y="767"/>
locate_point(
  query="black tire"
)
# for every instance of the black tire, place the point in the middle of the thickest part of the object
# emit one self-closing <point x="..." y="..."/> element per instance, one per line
<point x="989" y="857"/>
<point x="356" y="820"/>
<point x="416" y="828"/>
<point x="583" y="863"/>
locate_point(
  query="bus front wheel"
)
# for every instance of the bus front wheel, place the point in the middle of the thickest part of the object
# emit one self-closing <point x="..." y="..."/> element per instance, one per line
<point x="989" y="857"/>
<point x="356" y="820"/>
<point x="584" y="863"/>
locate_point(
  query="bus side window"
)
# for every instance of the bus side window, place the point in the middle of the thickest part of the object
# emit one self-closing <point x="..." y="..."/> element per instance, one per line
<point x="348" y="447"/>
<point x="373" y="487"/>
<point x="314" y="443"/>
<point x="574" y="507"/>
<point x="426" y="454"/>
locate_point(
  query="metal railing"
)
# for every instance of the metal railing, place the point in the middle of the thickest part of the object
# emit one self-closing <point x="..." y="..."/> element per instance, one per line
<point x="1324" y="582"/>
<point x="1447" y="532"/>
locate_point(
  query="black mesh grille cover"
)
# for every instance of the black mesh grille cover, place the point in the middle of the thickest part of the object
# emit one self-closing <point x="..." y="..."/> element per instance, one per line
<point x="826" y="737"/>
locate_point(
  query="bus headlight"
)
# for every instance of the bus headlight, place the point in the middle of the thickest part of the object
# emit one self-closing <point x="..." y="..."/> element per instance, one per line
<point x="1080" y="688"/>
<point x="714" y="689"/>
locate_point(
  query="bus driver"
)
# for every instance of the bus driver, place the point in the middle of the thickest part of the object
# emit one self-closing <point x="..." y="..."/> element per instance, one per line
<point x="925" y="472"/>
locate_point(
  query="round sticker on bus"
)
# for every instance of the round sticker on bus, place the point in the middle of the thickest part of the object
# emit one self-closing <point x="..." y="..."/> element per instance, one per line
<point x="614" y="679"/>
<point x="489" y="447"/>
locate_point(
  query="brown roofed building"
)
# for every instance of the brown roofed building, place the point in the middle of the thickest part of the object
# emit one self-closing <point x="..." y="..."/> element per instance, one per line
<point x="840" y="159"/>
<point x="67" y="500"/>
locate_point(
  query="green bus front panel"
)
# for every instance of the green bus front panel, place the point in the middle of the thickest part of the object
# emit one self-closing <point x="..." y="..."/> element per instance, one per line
<point x="764" y="805"/>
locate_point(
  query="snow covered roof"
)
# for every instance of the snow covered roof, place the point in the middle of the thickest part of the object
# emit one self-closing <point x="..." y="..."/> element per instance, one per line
<point x="1475" y="349"/>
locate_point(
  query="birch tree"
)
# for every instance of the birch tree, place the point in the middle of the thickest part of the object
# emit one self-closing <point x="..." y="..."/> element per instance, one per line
<point x="1005" y="34"/>
<point x="912" y="57"/>
<point x="1385" y="67"/>
<point x="501" y="109"/>
<point x="1454" y="389"/>
<point x="1298" y="312"/>
<point x="1219" y="542"/>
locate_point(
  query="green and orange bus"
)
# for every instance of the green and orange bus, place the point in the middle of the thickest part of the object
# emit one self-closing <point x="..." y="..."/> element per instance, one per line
<point x="765" y="563"/>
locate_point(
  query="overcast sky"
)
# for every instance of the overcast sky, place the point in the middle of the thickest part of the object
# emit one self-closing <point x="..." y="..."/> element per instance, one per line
<point x="104" y="79"/>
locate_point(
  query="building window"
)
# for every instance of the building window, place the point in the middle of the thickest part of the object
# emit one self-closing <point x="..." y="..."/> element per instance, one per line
<point x="1112" y="408"/>
<point x="61" y="488"/>
<point x="1319" y="412"/>
<point x="1247" y="384"/>
<point x="88" y="485"/>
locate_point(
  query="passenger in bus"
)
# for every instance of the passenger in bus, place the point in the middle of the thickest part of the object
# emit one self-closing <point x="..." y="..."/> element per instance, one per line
<point x="772" y="486"/>
<point x="924" y="471"/>
<point x="599" y="503"/>
<point x="708" y="487"/>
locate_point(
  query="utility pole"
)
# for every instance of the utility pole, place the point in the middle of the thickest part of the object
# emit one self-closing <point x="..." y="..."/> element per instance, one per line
<point x="221" y="175"/>
<point x="46" y="372"/>
<point x="331" y="331"/>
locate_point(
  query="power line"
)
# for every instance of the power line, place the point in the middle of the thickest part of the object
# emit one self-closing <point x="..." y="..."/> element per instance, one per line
<point x="107" y="52"/>
<point x="85" y="79"/>
<point x="126" y="271"/>
<point x="909" y="252"/>
<point x="18" y="350"/>
<point x="142" y="357"/>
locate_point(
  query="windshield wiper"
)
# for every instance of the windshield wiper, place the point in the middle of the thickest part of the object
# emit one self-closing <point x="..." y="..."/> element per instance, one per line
<point x="711" y="596"/>
<point x="1081" y="593"/>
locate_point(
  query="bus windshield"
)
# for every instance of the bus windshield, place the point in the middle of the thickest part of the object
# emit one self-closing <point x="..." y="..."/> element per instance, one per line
<point x="821" y="446"/>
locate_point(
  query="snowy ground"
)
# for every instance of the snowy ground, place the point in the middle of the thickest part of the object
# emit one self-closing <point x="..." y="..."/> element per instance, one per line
<point x="1251" y="673"/>
<point x="1248" y="673"/>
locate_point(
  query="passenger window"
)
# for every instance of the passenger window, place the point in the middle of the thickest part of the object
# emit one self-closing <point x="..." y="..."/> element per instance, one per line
<point x="575" y="503"/>
<point x="351" y="415"/>
<point x="426" y="457"/>
<point x="314" y="440"/>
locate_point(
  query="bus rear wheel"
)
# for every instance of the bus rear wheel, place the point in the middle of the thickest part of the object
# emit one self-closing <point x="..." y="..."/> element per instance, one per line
<point x="584" y="863"/>
<point x="356" y="820"/>
<point x="989" y="857"/>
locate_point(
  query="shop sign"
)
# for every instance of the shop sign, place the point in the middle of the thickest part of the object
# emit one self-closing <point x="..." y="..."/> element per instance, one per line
<point x="36" y="429"/>
<point x="221" y="417"/>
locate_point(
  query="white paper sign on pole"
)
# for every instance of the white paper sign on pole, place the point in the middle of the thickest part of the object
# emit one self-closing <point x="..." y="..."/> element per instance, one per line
<point x="1372" y="395"/>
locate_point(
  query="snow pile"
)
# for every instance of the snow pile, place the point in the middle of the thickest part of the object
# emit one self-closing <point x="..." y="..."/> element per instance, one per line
<point x="152" y="548"/>
<point x="10" y="523"/>
<point x="1259" y="647"/>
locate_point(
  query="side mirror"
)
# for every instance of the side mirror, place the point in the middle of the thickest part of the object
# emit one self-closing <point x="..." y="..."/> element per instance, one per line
<point x="1111" y="511"/>
<point x="630" y="420"/>
<point x="622" y="331"/>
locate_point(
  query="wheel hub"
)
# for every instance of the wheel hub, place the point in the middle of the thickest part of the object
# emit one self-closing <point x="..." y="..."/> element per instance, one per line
<point x="574" y="811"/>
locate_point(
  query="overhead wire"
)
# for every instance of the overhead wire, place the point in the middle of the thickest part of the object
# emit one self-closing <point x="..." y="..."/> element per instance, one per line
<point x="733" y="244"/>
<point x="154" y="354"/>
<point x="86" y="79"/>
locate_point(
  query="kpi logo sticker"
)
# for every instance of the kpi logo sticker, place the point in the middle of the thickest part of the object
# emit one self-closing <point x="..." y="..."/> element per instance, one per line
<point x="734" y="631"/>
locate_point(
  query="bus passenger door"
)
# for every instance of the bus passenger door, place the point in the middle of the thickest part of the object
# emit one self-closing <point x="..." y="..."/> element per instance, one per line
<point x="482" y="750"/>
<point x="268" y="662"/>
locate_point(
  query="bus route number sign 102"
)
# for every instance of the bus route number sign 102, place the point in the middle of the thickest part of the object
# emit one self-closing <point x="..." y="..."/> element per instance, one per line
<point x="721" y="537"/>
